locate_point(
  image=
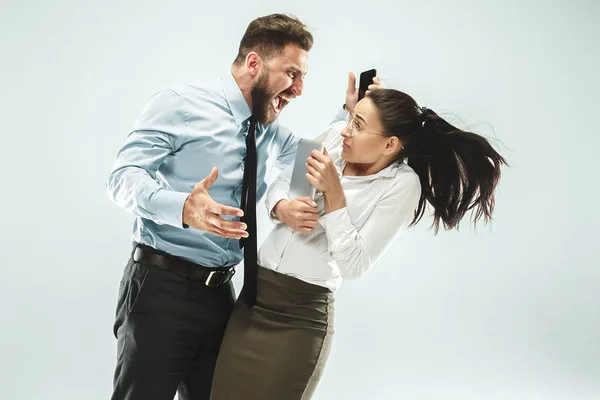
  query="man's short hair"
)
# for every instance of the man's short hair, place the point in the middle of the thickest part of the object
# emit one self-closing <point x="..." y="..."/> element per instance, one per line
<point x="268" y="36"/>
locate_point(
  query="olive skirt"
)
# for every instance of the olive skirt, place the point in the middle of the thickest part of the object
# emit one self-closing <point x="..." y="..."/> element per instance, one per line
<point x="277" y="349"/>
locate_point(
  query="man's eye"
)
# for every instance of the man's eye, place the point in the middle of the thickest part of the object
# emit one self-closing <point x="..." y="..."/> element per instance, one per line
<point x="292" y="75"/>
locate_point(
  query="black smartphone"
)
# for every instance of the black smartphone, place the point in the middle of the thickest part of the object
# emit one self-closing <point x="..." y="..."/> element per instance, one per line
<point x="366" y="78"/>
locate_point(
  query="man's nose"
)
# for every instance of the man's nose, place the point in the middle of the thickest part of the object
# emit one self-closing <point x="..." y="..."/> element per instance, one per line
<point x="298" y="87"/>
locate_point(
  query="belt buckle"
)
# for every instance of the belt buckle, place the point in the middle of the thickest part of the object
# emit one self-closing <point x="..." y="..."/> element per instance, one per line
<point x="211" y="281"/>
<point x="137" y="254"/>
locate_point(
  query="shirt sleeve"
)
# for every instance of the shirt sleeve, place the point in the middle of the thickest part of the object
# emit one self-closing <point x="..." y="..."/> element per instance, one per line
<point x="132" y="181"/>
<point x="340" y="115"/>
<point x="356" y="251"/>
<point x="278" y="191"/>
<point x="288" y="145"/>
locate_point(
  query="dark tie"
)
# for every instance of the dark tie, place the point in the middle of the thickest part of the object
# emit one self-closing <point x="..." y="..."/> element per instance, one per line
<point x="249" y="207"/>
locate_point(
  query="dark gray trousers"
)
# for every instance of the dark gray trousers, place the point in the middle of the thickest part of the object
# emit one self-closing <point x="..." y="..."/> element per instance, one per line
<point x="169" y="330"/>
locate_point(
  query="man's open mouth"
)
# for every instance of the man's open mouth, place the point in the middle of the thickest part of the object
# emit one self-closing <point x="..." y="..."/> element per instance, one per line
<point x="279" y="102"/>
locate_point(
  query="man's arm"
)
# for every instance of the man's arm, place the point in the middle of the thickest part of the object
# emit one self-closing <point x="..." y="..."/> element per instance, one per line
<point x="132" y="181"/>
<point x="340" y="115"/>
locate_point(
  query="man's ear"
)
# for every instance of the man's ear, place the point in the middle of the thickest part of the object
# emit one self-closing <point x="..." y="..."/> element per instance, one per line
<point x="253" y="64"/>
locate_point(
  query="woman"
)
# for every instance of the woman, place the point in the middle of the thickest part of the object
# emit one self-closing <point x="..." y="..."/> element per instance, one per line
<point x="383" y="167"/>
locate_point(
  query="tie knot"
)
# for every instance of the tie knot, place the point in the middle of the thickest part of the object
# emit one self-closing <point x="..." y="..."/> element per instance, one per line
<point x="251" y="125"/>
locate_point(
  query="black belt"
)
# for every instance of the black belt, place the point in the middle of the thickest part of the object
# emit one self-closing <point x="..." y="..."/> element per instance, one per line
<point x="211" y="276"/>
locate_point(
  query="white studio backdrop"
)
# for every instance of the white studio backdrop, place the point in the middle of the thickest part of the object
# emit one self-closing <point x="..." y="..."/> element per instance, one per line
<point x="506" y="312"/>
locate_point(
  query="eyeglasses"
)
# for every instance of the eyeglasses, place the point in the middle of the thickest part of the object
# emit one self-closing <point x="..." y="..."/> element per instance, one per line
<point x="354" y="126"/>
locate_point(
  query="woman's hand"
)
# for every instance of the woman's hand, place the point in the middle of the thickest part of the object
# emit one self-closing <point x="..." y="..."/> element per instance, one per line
<point x="300" y="214"/>
<point x="323" y="175"/>
<point x="352" y="91"/>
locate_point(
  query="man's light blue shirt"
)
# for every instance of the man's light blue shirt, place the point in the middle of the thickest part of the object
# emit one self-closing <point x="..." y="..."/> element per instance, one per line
<point x="182" y="133"/>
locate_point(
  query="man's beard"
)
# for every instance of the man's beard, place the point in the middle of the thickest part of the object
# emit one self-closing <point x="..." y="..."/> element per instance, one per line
<point x="261" y="101"/>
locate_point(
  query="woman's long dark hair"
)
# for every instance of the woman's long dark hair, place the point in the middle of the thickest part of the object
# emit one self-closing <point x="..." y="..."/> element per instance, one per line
<point x="458" y="170"/>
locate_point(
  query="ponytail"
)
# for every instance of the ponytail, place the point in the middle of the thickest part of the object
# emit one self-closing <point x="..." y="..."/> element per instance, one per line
<point x="458" y="170"/>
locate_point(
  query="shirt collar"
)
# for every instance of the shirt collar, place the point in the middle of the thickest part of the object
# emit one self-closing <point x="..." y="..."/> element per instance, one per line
<point x="388" y="172"/>
<point x="239" y="107"/>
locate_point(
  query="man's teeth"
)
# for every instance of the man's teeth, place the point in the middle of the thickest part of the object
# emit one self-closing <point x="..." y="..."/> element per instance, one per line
<point x="279" y="101"/>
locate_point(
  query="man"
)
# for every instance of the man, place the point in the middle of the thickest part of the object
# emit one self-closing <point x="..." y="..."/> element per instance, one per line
<point x="176" y="294"/>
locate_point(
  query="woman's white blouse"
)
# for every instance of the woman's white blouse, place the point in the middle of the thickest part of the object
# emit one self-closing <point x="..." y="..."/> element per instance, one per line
<point x="346" y="243"/>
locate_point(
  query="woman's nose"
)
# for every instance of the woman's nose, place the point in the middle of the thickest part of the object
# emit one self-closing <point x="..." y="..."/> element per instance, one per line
<point x="345" y="132"/>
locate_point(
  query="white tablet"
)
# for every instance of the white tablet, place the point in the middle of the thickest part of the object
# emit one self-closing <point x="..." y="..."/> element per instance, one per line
<point x="299" y="185"/>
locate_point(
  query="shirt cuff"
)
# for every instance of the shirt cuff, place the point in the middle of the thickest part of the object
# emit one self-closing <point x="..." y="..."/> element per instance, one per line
<point x="338" y="227"/>
<point x="341" y="115"/>
<point x="271" y="201"/>
<point x="168" y="207"/>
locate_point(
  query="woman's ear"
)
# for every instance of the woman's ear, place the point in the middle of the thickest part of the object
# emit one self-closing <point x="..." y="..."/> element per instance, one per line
<point x="392" y="145"/>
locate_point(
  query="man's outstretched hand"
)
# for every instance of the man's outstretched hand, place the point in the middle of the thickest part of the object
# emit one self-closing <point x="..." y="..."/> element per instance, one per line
<point x="200" y="211"/>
